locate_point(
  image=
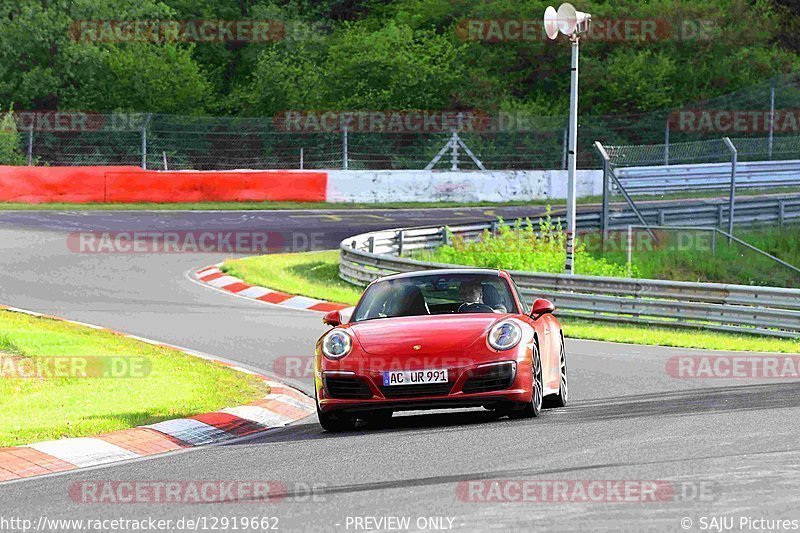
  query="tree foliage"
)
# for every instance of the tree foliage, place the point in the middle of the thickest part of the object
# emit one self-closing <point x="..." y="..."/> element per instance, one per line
<point x="380" y="54"/>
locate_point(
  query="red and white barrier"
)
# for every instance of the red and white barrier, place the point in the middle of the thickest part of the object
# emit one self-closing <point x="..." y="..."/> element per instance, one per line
<point x="134" y="185"/>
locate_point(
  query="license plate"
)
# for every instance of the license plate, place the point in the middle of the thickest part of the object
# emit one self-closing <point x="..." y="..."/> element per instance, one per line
<point x="414" y="377"/>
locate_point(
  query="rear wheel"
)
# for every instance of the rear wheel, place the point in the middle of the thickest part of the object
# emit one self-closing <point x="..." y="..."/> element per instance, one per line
<point x="335" y="422"/>
<point x="560" y="399"/>
<point x="534" y="407"/>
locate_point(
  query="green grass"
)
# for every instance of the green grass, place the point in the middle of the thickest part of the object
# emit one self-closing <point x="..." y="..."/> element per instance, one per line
<point x="688" y="256"/>
<point x="202" y="206"/>
<point x="312" y="274"/>
<point x="37" y="409"/>
<point x="315" y="274"/>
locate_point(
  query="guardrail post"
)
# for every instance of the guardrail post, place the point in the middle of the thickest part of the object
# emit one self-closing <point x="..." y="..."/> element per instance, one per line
<point x="493" y="227"/>
<point x="445" y="236"/>
<point x="720" y="209"/>
<point x="714" y="242"/>
<point x="781" y="212"/>
<point x="662" y="216"/>
<point x="371" y="244"/>
<point x="400" y="239"/>
<point x="734" y="157"/>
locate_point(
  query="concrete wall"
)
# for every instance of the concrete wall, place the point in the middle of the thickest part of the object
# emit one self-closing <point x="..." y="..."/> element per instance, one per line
<point x="132" y="184"/>
<point x="427" y="186"/>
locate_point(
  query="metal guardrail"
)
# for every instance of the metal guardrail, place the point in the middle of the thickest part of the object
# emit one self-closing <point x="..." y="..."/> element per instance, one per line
<point x="722" y="307"/>
<point x="708" y="176"/>
<point x="773" y="210"/>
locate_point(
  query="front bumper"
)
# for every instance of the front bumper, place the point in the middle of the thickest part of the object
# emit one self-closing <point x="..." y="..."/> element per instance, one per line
<point x="487" y="384"/>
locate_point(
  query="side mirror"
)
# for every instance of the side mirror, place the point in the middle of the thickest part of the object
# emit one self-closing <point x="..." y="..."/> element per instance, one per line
<point x="334" y="318"/>
<point x="542" y="307"/>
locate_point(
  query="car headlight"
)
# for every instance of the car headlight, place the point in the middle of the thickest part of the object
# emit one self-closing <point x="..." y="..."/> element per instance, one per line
<point x="336" y="344"/>
<point x="504" y="336"/>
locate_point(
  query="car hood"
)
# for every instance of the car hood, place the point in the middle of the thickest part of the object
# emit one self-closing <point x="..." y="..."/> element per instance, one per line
<point x="433" y="334"/>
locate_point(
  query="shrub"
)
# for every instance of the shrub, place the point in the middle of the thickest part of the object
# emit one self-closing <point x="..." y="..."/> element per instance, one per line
<point x="524" y="246"/>
<point x="10" y="153"/>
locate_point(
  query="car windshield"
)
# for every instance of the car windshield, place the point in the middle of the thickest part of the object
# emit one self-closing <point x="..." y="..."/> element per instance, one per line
<point x="436" y="295"/>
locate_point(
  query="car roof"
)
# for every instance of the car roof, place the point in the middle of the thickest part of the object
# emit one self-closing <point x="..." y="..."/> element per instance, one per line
<point x="441" y="271"/>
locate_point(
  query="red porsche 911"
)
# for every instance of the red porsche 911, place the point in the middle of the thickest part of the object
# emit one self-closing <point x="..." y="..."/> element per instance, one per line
<point x="438" y="339"/>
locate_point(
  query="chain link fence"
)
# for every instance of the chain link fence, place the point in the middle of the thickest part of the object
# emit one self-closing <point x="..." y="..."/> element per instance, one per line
<point x="764" y="120"/>
<point x="216" y="143"/>
<point x="785" y="147"/>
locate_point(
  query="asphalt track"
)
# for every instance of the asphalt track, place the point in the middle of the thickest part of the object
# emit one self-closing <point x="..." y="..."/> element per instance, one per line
<point x="734" y="440"/>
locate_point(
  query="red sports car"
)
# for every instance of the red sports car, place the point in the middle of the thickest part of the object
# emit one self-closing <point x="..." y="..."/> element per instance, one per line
<point x="437" y="339"/>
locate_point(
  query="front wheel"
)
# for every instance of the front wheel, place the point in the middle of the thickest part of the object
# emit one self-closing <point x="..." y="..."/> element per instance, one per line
<point x="335" y="422"/>
<point x="532" y="408"/>
<point x="560" y="399"/>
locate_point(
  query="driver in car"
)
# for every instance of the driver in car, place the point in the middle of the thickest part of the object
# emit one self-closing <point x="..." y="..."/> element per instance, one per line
<point x="472" y="294"/>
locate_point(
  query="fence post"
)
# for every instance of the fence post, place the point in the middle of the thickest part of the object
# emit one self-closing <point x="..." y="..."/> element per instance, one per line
<point x="606" y="183"/>
<point x="301" y="158"/>
<point x="345" y="157"/>
<point x="771" y="116"/>
<point x="630" y="250"/>
<point x="30" y="145"/>
<point x="144" y="140"/>
<point x="734" y="157"/>
<point x="454" y="153"/>
<point x="666" y="143"/>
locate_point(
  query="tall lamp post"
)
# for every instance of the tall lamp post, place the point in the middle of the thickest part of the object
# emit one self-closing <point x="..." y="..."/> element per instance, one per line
<point x="571" y="23"/>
